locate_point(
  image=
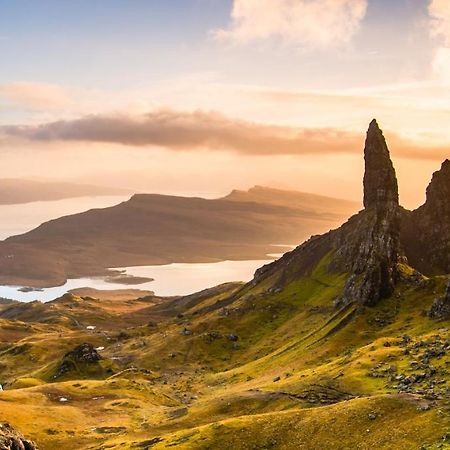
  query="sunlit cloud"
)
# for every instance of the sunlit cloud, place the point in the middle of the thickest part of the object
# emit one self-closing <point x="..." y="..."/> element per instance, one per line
<point x="306" y="23"/>
<point x="439" y="11"/>
<point x="211" y="131"/>
<point x="31" y="95"/>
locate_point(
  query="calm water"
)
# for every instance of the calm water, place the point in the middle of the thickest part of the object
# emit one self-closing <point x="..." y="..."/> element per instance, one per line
<point x="171" y="279"/>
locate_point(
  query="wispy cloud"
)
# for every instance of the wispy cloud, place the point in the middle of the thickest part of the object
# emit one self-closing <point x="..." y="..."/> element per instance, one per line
<point x="32" y="95"/>
<point x="439" y="11"/>
<point x="200" y="130"/>
<point x="318" y="23"/>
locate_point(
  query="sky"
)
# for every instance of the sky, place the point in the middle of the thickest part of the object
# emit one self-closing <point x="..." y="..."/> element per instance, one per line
<point x="198" y="97"/>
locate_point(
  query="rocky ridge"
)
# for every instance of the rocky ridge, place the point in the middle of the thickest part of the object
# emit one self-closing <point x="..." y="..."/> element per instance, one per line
<point x="373" y="245"/>
<point x="426" y="231"/>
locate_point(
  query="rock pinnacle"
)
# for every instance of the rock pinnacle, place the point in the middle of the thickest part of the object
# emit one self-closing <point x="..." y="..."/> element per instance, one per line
<point x="380" y="182"/>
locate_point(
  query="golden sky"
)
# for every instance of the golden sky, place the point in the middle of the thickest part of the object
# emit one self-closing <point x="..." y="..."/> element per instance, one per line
<point x="203" y="96"/>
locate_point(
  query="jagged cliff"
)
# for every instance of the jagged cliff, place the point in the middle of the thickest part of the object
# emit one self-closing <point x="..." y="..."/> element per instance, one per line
<point x="371" y="244"/>
<point x="426" y="231"/>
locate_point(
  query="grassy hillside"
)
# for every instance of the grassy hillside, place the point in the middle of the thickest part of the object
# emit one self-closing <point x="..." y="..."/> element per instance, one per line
<point x="237" y="366"/>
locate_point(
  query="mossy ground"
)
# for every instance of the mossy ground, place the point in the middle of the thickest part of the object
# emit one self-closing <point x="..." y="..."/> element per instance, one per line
<point x="301" y="374"/>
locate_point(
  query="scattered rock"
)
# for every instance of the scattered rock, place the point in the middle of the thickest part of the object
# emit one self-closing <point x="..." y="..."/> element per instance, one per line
<point x="440" y="309"/>
<point x="11" y="439"/>
<point x="176" y="413"/>
<point x="147" y="444"/>
<point x="109" y="430"/>
<point x="425" y="407"/>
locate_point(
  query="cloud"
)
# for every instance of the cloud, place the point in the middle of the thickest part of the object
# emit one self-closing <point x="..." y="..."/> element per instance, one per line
<point x="33" y="95"/>
<point x="200" y="130"/>
<point x="309" y="23"/>
<point x="189" y="130"/>
<point x="439" y="11"/>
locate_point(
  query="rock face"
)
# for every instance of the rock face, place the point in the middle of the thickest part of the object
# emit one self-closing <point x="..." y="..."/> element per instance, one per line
<point x="370" y="253"/>
<point x="380" y="181"/>
<point x="10" y="439"/>
<point x="426" y="231"/>
<point x="367" y="247"/>
<point x="440" y="309"/>
<point x="370" y="246"/>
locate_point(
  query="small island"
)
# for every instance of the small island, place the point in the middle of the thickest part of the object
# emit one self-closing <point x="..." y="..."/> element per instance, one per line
<point x="130" y="280"/>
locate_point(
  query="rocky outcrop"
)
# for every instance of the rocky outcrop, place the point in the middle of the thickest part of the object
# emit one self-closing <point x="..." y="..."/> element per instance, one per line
<point x="370" y="246"/>
<point x="370" y="252"/>
<point x="380" y="181"/>
<point x="426" y="231"/>
<point x="11" y="439"/>
<point x="440" y="309"/>
<point x="84" y="353"/>
<point x="367" y="247"/>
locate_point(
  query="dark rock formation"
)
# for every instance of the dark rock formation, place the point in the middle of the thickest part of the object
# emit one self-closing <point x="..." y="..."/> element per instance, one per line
<point x="371" y="251"/>
<point x="380" y="182"/>
<point x="367" y="247"/>
<point x="370" y="246"/>
<point x="440" y="309"/>
<point x="426" y="231"/>
<point x="84" y="353"/>
<point x="11" y="439"/>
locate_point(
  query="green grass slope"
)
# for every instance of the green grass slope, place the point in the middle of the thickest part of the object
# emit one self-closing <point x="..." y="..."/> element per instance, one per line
<point x="236" y="367"/>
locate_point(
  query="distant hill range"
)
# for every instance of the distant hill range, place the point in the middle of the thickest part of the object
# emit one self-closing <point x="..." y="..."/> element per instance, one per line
<point x="161" y="229"/>
<point x="310" y="203"/>
<point x="14" y="191"/>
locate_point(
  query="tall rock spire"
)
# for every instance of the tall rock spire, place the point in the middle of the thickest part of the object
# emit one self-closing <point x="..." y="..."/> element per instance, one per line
<point x="374" y="248"/>
<point x="380" y="182"/>
<point x="366" y="248"/>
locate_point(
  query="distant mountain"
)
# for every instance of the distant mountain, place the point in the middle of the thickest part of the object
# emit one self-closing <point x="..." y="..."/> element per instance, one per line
<point x="160" y="229"/>
<point x="307" y="202"/>
<point x="15" y="191"/>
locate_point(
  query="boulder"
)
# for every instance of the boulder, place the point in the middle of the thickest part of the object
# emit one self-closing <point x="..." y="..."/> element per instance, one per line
<point x="11" y="439"/>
